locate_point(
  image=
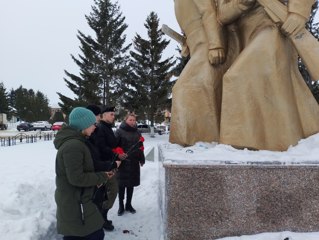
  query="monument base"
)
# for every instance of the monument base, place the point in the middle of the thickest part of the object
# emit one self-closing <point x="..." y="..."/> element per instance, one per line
<point x="207" y="201"/>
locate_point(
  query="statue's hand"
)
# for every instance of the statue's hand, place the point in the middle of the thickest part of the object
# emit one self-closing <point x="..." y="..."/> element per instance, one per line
<point x="216" y="56"/>
<point x="293" y="24"/>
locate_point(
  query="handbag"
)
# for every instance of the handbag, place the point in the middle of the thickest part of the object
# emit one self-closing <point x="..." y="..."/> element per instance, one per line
<point x="99" y="195"/>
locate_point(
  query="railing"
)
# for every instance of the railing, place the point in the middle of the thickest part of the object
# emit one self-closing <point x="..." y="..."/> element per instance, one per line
<point x="26" y="138"/>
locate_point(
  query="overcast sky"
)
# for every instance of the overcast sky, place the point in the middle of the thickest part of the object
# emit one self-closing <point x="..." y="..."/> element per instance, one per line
<point x="38" y="36"/>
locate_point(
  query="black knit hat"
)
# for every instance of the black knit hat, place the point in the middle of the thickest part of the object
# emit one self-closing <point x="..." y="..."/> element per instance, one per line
<point x="95" y="109"/>
<point x="108" y="109"/>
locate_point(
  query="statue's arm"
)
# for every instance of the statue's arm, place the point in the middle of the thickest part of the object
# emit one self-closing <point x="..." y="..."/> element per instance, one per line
<point x="302" y="8"/>
<point x="230" y="11"/>
<point x="298" y="14"/>
<point x="208" y="12"/>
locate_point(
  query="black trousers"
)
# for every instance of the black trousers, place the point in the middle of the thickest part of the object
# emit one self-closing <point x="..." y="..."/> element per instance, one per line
<point x="98" y="235"/>
<point x="129" y="194"/>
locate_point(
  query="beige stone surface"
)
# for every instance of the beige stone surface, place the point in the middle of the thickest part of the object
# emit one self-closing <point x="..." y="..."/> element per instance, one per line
<point x="261" y="102"/>
<point x="197" y="93"/>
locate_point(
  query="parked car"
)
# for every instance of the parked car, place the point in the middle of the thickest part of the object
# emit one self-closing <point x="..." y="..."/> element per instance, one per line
<point x="25" y="126"/>
<point x="161" y="129"/>
<point x="57" y="126"/>
<point x="42" y="125"/>
<point x="144" y="128"/>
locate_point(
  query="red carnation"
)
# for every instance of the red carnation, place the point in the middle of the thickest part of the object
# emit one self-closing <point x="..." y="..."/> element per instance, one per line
<point x="142" y="148"/>
<point x="118" y="150"/>
<point x="141" y="139"/>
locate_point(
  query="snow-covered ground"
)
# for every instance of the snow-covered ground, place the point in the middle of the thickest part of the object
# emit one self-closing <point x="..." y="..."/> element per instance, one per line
<point x="27" y="207"/>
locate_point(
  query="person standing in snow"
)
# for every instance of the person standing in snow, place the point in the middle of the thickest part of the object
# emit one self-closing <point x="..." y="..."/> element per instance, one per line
<point x="105" y="142"/>
<point x="77" y="216"/>
<point x="129" y="171"/>
<point x="101" y="163"/>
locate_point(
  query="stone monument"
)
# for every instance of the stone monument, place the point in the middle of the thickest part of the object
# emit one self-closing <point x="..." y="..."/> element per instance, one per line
<point x="208" y="200"/>
<point x="198" y="91"/>
<point x="242" y="86"/>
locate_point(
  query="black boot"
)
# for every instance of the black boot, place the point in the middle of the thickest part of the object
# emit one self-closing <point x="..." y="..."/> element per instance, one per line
<point x="120" y="212"/>
<point x="108" y="226"/>
<point x="129" y="195"/>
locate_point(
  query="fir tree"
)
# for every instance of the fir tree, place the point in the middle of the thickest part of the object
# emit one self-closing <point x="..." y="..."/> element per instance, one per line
<point x="103" y="63"/>
<point x="150" y="81"/>
<point x="4" y="100"/>
<point x="30" y="106"/>
<point x="11" y="102"/>
<point x="41" y="106"/>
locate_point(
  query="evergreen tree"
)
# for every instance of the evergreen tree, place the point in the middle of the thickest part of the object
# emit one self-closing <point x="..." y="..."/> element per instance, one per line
<point x="20" y="103"/>
<point x="41" y="106"/>
<point x="103" y="63"/>
<point x="11" y="102"/>
<point x="313" y="27"/>
<point x="4" y="100"/>
<point x="30" y="106"/>
<point x="150" y="84"/>
<point x="11" y="97"/>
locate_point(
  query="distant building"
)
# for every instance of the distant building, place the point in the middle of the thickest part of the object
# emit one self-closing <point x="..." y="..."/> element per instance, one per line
<point x="53" y="109"/>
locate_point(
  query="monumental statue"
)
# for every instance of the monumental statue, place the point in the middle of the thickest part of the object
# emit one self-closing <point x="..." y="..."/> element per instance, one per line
<point x="198" y="91"/>
<point x="253" y="96"/>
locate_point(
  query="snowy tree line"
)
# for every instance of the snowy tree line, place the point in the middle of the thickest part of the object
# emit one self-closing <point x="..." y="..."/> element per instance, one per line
<point x="26" y="104"/>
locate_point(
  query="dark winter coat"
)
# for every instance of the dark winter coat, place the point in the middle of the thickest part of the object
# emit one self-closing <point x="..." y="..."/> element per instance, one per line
<point x="104" y="139"/>
<point x="129" y="170"/>
<point x="100" y="164"/>
<point x="75" y="183"/>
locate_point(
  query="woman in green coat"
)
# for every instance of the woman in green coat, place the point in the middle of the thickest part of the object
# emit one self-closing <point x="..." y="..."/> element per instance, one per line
<point x="77" y="216"/>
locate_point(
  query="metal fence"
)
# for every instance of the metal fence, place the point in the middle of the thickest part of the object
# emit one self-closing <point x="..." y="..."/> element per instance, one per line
<point x="26" y="138"/>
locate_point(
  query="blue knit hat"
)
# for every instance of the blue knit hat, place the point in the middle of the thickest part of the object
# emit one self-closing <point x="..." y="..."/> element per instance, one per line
<point x="81" y="118"/>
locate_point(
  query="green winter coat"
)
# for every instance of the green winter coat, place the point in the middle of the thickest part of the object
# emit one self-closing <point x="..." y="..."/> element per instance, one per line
<point x="75" y="182"/>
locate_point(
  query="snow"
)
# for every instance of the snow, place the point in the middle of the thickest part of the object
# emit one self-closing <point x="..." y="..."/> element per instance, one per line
<point x="306" y="152"/>
<point x="27" y="207"/>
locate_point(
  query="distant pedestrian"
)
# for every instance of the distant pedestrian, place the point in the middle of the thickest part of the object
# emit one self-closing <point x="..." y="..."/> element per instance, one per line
<point x="129" y="171"/>
<point x="77" y="216"/>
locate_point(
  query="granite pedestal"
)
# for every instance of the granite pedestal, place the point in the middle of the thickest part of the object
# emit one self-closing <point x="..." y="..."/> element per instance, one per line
<point x="210" y="201"/>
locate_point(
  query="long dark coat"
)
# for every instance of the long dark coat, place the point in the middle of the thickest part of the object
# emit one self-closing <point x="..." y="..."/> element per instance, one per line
<point x="104" y="140"/>
<point x="129" y="170"/>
